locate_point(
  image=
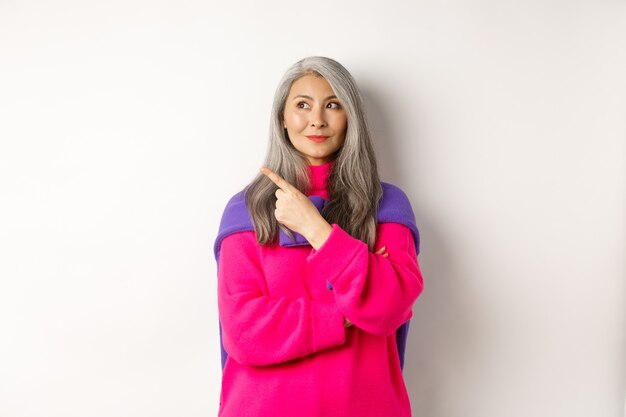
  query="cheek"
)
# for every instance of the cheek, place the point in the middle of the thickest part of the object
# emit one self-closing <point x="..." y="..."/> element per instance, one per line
<point x="342" y="124"/>
<point x="294" y="120"/>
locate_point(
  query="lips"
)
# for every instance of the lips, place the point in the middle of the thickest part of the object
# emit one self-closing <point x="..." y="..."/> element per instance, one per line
<point x="318" y="138"/>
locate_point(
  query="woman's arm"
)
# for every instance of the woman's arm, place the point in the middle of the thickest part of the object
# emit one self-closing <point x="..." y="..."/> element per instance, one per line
<point x="261" y="330"/>
<point x="374" y="292"/>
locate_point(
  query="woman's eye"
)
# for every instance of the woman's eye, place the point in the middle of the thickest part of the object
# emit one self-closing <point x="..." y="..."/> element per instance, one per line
<point x="304" y="105"/>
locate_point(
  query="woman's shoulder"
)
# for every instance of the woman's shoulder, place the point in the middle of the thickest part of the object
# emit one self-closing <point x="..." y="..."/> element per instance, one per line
<point x="389" y="185"/>
<point x="235" y="213"/>
<point x="395" y="207"/>
<point x="394" y="198"/>
<point x="235" y="220"/>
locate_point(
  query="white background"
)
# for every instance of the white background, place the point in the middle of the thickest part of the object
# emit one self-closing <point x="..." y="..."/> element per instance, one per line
<point x="125" y="126"/>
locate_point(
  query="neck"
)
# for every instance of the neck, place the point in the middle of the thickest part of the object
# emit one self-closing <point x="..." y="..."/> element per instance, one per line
<point x="318" y="174"/>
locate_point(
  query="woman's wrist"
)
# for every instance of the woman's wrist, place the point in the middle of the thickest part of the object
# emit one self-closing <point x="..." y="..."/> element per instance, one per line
<point x="319" y="233"/>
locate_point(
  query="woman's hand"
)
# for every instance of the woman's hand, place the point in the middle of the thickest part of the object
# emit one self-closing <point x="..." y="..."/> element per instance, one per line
<point x="297" y="212"/>
<point x="382" y="251"/>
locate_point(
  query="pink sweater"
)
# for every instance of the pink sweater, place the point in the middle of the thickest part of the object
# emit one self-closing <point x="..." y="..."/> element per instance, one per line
<point x="289" y="353"/>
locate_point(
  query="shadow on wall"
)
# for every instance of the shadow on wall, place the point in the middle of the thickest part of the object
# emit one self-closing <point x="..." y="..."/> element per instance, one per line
<point x="440" y="334"/>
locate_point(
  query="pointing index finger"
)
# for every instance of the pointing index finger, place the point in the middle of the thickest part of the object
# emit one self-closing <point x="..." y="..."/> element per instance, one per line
<point x="277" y="179"/>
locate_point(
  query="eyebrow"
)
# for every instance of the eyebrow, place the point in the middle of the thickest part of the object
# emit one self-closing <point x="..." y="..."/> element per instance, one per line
<point x="311" y="98"/>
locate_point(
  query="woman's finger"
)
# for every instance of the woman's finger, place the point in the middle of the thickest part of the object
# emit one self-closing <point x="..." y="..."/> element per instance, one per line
<point x="382" y="251"/>
<point x="278" y="180"/>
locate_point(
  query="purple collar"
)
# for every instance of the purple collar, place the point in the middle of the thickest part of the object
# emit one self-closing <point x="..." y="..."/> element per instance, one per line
<point x="393" y="207"/>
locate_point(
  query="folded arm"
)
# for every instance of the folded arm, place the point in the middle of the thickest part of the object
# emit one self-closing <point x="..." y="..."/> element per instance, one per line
<point x="376" y="293"/>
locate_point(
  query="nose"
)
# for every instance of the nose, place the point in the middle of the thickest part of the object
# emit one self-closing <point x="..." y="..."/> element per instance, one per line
<point x="317" y="118"/>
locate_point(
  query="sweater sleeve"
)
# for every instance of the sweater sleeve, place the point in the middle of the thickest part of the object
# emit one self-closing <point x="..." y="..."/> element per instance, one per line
<point x="258" y="329"/>
<point x="376" y="293"/>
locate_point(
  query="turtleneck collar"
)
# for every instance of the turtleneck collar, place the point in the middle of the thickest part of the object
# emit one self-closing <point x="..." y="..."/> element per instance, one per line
<point x="319" y="175"/>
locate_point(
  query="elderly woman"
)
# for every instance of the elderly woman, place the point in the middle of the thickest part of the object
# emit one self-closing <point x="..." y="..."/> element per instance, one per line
<point x="317" y="264"/>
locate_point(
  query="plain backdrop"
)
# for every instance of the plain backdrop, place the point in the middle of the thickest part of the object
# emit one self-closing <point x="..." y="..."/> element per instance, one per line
<point x="125" y="127"/>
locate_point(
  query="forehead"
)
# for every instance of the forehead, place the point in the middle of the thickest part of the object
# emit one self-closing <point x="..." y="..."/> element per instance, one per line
<point x="311" y="85"/>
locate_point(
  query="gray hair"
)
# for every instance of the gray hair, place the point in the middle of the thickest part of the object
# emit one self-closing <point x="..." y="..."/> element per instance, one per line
<point x="354" y="188"/>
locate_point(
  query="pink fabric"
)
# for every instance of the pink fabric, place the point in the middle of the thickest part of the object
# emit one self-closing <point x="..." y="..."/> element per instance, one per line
<point x="289" y="353"/>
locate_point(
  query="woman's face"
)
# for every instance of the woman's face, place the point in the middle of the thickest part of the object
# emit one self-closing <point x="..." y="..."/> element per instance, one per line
<point x="311" y="109"/>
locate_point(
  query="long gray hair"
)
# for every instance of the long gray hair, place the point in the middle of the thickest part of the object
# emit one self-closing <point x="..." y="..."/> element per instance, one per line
<point x="354" y="188"/>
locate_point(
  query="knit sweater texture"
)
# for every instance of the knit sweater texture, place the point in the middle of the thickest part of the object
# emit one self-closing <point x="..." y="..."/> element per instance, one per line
<point x="289" y="353"/>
